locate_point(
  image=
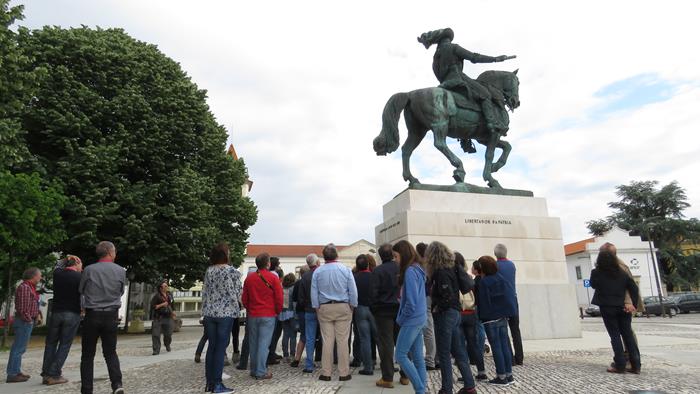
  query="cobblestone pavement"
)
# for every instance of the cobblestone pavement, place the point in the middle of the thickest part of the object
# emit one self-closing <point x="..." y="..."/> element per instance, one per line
<point x="544" y="372"/>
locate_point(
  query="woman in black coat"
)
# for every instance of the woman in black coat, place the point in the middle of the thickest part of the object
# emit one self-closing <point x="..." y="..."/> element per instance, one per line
<point x="610" y="283"/>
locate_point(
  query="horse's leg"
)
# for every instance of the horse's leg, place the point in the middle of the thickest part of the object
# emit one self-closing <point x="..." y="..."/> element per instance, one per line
<point x="440" y="135"/>
<point x="488" y="161"/>
<point x="505" y="146"/>
<point x="416" y="134"/>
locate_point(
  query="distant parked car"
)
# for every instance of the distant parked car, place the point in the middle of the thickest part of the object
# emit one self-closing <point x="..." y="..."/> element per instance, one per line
<point x="593" y="310"/>
<point x="687" y="302"/>
<point x="653" y="307"/>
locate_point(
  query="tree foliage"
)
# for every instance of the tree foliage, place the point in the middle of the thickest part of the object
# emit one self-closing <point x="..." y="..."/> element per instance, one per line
<point x="30" y="225"/>
<point x="657" y="214"/>
<point x="131" y="141"/>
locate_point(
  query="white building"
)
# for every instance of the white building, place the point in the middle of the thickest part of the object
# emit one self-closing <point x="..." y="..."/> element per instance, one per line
<point x="293" y="257"/>
<point x="581" y="257"/>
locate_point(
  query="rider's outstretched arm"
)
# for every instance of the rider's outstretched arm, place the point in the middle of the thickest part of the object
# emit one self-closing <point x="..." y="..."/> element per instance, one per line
<point x="478" y="58"/>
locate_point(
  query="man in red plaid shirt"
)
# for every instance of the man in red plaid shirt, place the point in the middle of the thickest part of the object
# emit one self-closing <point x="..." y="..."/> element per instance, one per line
<point x="26" y="315"/>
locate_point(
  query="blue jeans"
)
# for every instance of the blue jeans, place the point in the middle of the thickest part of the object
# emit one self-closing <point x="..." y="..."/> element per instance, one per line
<point x="449" y="339"/>
<point x="311" y="328"/>
<point x="259" y="339"/>
<point x="480" y="337"/>
<point x="219" y="334"/>
<point x="367" y="329"/>
<point x="410" y="341"/>
<point x="497" y="333"/>
<point x="289" y="337"/>
<point x="23" y="332"/>
<point x="62" y="329"/>
<point x="469" y="328"/>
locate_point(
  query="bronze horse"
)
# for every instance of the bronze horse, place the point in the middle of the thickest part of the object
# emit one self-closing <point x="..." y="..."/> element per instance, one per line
<point x="435" y="109"/>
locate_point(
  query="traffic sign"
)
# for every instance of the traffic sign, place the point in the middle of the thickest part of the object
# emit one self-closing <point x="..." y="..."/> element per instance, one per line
<point x="586" y="283"/>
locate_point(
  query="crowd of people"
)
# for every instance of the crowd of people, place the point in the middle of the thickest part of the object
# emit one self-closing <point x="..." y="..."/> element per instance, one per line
<point x="421" y="307"/>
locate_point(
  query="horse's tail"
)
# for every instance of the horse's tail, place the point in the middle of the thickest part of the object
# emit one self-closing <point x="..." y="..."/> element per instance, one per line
<point x="388" y="139"/>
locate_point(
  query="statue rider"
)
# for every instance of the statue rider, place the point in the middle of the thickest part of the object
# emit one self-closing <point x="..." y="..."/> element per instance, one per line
<point x="448" y="63"/>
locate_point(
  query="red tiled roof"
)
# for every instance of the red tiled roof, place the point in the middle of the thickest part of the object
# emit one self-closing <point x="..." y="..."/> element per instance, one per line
<point x="232" y="152"/>
<point x="577" y="247"/>
<point x="286" y="250"/>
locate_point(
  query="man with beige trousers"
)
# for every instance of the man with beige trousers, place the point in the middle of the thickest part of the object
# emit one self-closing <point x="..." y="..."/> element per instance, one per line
<point x="334" y="297"/>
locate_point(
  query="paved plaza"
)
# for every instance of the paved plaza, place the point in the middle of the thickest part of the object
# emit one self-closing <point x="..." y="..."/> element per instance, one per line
<point x="670" y="354"/>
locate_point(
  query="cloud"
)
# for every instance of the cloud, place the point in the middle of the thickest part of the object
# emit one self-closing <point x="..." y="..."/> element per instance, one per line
<point x="606" y="98"/>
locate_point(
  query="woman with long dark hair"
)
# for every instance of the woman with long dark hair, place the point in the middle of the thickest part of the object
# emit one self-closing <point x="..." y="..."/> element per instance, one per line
<point x="610" y="284"/>
<point x="221" y="293"/>
<point x="447" y="281"/>
<point x="412" y="315"/>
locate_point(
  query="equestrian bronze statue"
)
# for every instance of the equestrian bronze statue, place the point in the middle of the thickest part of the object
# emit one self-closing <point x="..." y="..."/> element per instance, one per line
<point x="460" y="107"/>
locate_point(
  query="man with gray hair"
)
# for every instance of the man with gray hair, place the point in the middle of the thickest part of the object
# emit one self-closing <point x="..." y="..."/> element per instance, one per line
<point x="310" y="318"/>
<point x="506" y="268"/>
<point x="334" y="297"/>
<point x="27" y="315"/>
<point x="102" y="286"/>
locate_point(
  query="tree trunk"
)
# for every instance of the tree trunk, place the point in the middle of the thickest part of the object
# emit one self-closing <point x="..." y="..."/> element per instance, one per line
<point x="8" y="299"/>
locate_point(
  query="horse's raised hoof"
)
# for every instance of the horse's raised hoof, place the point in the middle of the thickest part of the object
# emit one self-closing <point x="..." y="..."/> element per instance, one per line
<point x="495" y="185"/>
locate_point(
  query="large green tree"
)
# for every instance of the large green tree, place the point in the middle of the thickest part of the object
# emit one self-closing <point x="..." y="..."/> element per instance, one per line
<point x="132" y="142"/>
<point x="30" y="226"/>
<point x="656" y="213"/>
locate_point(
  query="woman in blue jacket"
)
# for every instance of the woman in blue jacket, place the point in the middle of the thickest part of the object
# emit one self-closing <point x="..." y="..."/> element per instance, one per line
<point x="412" y="315"/>
<point x="496" y="301"/>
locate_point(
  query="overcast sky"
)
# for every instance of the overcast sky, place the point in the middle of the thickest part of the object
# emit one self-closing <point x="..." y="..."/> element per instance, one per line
<point x="609" y="90"/>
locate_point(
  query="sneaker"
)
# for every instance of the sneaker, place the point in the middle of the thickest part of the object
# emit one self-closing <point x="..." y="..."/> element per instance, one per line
<point x="482" y="376"/>
<point x="197" y="358"/>
<point x="510" y="379"/>
<point x="267" y="376"/>
<point x="50" y="381"/>
<point x="383" y="383"/>
<point x="118" y="390"/>
<point x="221" y="389"/>
<point x="294" y="364"/>
<point x="499" y="382"/>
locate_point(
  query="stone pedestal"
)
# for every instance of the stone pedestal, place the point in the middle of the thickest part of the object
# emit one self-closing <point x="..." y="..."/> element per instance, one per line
<point x="472" y="224"/>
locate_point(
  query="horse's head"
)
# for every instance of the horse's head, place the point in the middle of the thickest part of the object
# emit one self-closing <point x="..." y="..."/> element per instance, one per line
<point x="505" y="81"/>
<point x="510" y="90"/>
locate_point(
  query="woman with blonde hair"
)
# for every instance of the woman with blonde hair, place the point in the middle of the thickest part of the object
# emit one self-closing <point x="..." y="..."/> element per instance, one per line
<point x="447" y="281"/>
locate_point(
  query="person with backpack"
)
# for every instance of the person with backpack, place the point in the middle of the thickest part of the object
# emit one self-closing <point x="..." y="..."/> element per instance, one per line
<point x="469" y="326"/>
<point x="447" y="281"/>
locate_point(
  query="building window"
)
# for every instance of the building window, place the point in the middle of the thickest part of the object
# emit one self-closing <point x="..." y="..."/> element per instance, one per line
<point x="578" y="273"/>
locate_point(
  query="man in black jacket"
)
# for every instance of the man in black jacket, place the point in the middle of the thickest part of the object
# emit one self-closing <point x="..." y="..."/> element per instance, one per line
<point x="65" y="319"/>
<point x="385" y="307"/>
